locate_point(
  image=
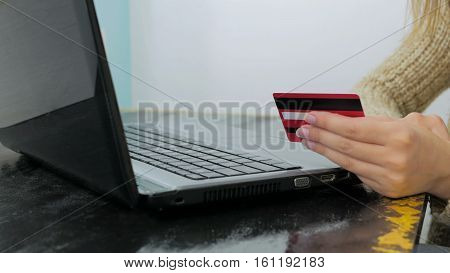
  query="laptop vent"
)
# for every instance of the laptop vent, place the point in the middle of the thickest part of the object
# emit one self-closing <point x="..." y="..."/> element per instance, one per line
<point x="231" y="193"/>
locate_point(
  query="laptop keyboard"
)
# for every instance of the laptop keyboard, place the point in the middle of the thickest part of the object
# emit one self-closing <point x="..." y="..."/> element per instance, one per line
<point x="193" y="160"/>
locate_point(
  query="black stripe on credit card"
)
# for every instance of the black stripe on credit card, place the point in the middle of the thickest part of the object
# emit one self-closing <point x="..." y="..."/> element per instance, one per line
<point x="291" y="129"/>
<point x="319" y="104"/>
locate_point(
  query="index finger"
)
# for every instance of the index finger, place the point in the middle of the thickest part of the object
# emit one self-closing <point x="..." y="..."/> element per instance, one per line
<point x="360" y="129"/>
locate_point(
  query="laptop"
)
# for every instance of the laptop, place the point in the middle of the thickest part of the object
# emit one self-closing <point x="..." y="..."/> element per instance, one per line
<point x="58" y="106"/>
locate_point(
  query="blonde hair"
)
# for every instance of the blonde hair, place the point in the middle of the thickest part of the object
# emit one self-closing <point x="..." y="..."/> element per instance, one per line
<point x="427" y="15"/>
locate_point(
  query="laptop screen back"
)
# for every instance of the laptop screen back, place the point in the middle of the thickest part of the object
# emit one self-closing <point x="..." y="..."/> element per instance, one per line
<point x="48" y="59"/>
<point x="57" y="101"/>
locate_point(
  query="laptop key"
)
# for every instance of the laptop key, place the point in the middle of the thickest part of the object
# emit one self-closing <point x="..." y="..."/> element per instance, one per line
<point x="188" y="167"/>
<point x="193" y="160"/>
<point x="228" y="172"/>
<point x="204" y="163"/>
<point x="209" y="157"/>
<point x="152" y="163"/>
<point x="247" y="155"/>
<point x="164" y="158"/>
<point x="194" y="176"/>
<point x="181" y="150"/>
<point x="185" y="157"/>
<point x="139" y="156"/>
<point x="199" y="170"/>
<point x="257" y="158"/>
<point x="230" y="164"/>
<point x="173" y="154"/>
<point x="196" y="154"/>
<point x="219" y="161"/>
<point x="274" y="162"/>
<point x="262" y="167"/>
<point x="243" y="160"/>
<point x="169" y="160"/>
<point x="213" y="167"/>
<point x="172" y="169"/>
<point x="180" y="163"/>
<point x="287" y="166"/>
<point x="220" y="154"/>
<point x="231" y="157"/>
<point x="200" y="149"/>
<point x="246" y="169"/>
<point x="156" y="163"/>
<point x="212" y="175"/>
<point x="181" y="172"/>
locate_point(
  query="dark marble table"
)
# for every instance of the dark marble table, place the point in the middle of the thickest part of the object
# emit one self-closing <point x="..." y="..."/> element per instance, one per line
<point x="43" y="212"/>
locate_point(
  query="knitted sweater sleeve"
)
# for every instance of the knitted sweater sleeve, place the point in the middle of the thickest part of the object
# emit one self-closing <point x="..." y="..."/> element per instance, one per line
<point x="412" y="77"/>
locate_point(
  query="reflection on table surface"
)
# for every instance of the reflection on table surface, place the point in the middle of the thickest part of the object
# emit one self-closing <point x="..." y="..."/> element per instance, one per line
<point x="353" y="219"/>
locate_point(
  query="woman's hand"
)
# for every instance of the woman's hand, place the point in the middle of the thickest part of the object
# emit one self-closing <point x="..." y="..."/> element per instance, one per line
<point x="395" y="157"/>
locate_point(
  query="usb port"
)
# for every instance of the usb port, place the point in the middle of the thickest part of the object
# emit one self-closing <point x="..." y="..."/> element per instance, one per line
<point x="302" y="182"/>
<point x="326" y="178"/>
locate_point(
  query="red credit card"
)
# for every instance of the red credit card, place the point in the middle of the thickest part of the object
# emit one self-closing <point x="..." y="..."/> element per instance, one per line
<point x="293" y="107"/>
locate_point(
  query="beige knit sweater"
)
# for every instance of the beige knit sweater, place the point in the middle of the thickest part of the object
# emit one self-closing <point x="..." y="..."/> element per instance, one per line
<point x="412" y="77"/>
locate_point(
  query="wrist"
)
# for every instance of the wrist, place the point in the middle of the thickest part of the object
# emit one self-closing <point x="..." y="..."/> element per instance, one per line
<point x="440" y="187"/>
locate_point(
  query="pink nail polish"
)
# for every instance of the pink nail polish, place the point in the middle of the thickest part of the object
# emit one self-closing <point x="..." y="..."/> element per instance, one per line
<point x="304" y="144"/>
<point x="310" y="119"/>
<point x="303" y="132"/>
<point x="310" y="144"/>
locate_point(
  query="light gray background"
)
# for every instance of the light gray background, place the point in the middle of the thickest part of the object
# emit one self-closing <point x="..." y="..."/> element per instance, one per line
<point x="200" y="50"/>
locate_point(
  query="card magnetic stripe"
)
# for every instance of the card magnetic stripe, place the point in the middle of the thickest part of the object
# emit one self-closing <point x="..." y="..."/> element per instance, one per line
<point x="295" y="119"/>
<point x="291" y="126"/>
<point x="318" y="104"/>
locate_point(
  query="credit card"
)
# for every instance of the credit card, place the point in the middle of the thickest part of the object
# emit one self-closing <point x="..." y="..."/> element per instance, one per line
<point x="293" y="108"/>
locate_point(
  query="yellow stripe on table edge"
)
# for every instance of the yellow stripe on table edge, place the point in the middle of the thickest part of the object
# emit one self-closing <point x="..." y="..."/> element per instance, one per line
<point x="404" y="215"/>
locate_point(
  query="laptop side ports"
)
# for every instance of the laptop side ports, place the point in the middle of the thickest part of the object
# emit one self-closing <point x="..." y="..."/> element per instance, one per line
<point x="302" y="182"/>
<point x="328" y="178"/>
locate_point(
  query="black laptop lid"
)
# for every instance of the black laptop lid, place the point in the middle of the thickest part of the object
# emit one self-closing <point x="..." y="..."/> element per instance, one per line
<point x="57" y="101"/>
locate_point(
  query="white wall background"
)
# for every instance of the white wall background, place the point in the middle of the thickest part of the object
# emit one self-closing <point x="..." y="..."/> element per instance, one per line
<point x="199" y="50"/>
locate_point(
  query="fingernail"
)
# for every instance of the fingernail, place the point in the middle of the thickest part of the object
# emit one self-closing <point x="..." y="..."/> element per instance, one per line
<point x="310" y="144"/>
<point x="303" y="132"/>
<point x="310" y="119"/>
<point x="304" y="144"/>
